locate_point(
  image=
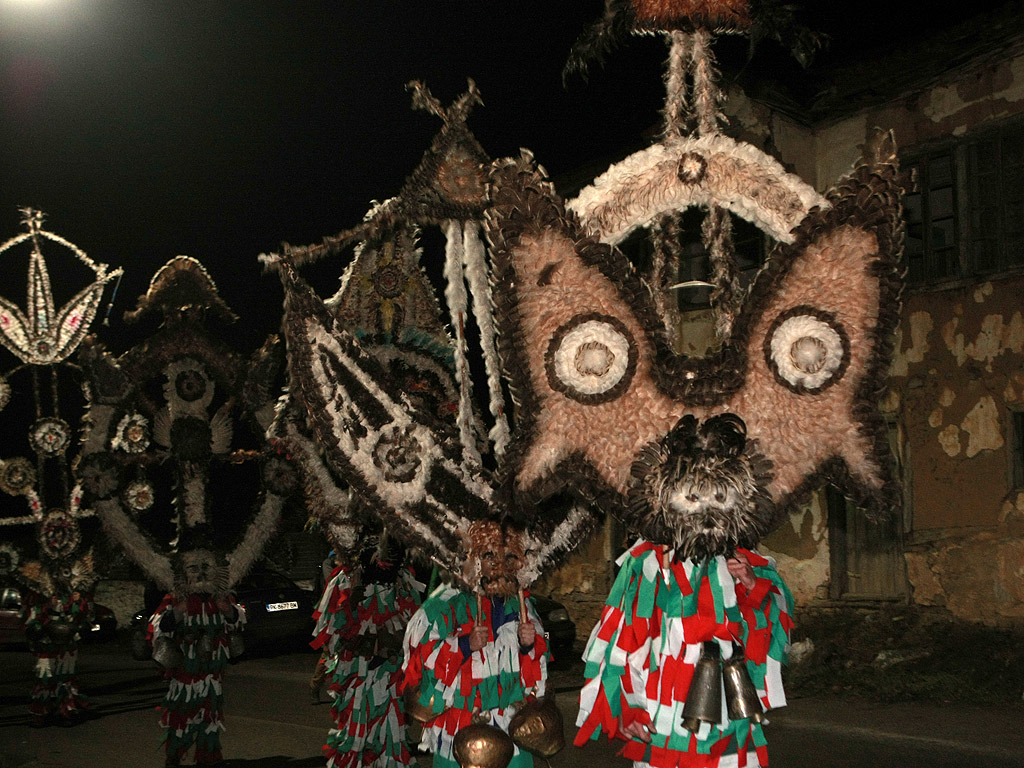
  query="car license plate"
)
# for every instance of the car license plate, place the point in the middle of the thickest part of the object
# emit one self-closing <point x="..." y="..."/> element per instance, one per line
<point x="291" y="605"/>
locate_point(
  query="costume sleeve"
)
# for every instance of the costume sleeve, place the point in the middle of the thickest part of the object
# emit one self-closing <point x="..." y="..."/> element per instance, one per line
<point x="335" y="614"/>
<point x="433" y="663"/>
<point x="157" y="626"/>
<point x="617" y="651"/>
<point x="767" y="610"/>
<point x="237" y="623"/>
<point x="533" y="661"/>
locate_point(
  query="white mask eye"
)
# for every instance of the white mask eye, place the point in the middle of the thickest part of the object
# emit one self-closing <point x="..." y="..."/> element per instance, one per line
<point x="807" y="349"/>
<point x="591" y="359"/>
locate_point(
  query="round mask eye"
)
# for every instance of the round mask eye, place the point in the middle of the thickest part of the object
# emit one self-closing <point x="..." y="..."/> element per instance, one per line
<point x="591" y="359"/>
<point x="807" y="349"/>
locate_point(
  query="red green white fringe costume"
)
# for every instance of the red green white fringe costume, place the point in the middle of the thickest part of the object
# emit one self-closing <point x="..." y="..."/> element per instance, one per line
<point x="489" y="681"/>
<point x="192" y="710"/>
<point x="334" y="616"/>
<point x="367" y="709"/>
<point x="641" y="655"/>
<point x="56" y="689"/>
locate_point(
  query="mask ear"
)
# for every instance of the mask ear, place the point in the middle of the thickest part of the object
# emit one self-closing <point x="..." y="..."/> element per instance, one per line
<point x="819" y="324"/>
<point x="575" y="335"/>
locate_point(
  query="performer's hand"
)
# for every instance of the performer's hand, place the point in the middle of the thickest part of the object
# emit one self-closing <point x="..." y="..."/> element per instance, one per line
<point x="527" y="634"/>
<point x="741" y="570"/>
<point x="636" y="730"/>
<point x="477" y="638"/>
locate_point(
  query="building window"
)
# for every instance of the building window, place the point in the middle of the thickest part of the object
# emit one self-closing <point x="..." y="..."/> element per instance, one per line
<point x="965" y="214"/>
<point x="1017" y="449"/>
<point x="932" y="250"/>
<point x="995" y="172"/>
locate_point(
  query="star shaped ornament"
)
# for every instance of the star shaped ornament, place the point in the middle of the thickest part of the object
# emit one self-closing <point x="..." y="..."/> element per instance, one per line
<point x="44" y="335"/>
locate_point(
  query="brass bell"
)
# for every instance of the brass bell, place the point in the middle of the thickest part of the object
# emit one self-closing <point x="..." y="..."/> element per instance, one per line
<point x="741" y="699"/>
<point x="167" y="653"/>
<point x="704" y="699"/>
<point x="480" y="745"/>
<point x="421" y="713"/>
<point x="537" y="727"/>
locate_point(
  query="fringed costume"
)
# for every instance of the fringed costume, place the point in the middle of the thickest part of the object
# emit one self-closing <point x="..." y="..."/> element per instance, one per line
<point x="363" y="628"/>
<point x="457" y="683"/>
<point x="52" y="627"/>
<point x="641" y="656"/>
<point x="192" y="710"/>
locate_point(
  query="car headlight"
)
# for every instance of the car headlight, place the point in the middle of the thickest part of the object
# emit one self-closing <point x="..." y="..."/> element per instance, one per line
<point x="559" y="614"/>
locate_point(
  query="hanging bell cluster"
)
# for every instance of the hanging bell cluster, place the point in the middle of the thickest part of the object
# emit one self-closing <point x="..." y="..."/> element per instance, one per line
<point x="712" y="677"/>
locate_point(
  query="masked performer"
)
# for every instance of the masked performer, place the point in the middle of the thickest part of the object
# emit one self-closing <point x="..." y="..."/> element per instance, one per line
<point x="190" y="633"/>
<point x="363" y="626"/>
<point x="52" y="628"/>
<point x="470" y="653"/>
<point x="333" y="586"/>
<point x="704" y="604"/>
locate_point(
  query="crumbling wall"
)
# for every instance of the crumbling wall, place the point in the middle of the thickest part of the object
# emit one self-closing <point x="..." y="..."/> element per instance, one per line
<point x="800" y="547"/>
<point x="958" y="373"/>
<point x="957" y="377"/>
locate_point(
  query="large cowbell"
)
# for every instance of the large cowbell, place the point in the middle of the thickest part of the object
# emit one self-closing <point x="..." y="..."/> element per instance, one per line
<point x="711" y="678"/>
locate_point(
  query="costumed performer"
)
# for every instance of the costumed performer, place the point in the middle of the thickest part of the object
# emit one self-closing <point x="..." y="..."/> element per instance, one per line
<point x="693" y="604"/>
<point x="52" y="627"/>
<point x="190" y="632"/>
<point x="329" y="595"/>
<point x="469" y="654"/>
<point x="362" y="626"/>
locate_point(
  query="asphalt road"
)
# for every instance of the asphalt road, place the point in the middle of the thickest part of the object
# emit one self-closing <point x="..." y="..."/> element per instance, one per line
<point x="270" y="723"/>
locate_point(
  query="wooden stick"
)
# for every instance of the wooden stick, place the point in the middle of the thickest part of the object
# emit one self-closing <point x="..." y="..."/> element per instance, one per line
<point x="524" y="615"/>
<point x="479" y="610"/>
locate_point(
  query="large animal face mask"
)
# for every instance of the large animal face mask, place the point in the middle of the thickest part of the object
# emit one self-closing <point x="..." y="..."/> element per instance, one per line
<point x="706" y="454"/>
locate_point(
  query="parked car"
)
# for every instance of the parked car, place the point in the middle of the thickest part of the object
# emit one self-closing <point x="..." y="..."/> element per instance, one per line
<point x="559" y="629"/>
<point x="277" y="610"/>
<point x="102" y="629"/>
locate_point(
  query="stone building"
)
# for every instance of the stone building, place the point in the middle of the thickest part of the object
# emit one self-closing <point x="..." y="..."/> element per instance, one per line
<point x="955" y="102"/>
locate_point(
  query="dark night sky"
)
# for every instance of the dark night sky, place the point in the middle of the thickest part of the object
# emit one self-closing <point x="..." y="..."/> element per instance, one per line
<point x="219" y="128"/>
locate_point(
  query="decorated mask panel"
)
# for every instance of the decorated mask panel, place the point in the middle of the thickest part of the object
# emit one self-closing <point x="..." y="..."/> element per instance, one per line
<point x="704" y="453"/>
<point x="494" y="557"/>
<point x="199" y="573"/>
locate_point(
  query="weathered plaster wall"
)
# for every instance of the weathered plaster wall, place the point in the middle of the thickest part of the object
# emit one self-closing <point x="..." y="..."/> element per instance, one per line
<point x="800" y="547"/>
<point x="958" y="370"/>
<point x="958" y="373"/>
<point x="963" y="101"/>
